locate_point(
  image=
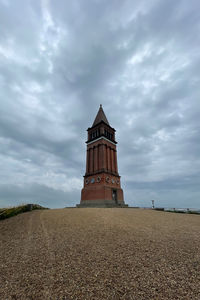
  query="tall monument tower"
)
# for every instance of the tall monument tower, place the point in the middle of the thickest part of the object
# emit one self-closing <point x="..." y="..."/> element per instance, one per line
<point x="102" y="187"/>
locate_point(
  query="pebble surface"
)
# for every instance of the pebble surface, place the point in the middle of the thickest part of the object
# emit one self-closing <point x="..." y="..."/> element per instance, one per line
<point x="97" y="253"/>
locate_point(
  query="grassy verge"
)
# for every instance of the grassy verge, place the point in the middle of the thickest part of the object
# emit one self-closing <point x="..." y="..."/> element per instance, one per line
<point x="183" y="212"/>
<point x="13" y="211"/>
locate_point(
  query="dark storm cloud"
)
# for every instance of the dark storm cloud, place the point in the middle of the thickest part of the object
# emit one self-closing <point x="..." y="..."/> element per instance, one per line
<point x="60" y="60"/>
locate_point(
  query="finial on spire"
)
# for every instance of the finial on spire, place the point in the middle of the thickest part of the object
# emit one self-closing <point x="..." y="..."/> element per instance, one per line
<point x="100" y="105"/>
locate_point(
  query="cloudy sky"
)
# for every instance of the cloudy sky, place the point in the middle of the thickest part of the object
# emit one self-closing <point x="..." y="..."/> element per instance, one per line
<point x="60" y="59"/>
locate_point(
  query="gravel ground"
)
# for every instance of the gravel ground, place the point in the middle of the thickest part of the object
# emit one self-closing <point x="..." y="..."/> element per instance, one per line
<point x="91" y="253"/>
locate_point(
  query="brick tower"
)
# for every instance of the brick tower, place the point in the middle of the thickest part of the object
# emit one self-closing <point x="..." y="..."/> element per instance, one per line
<point x="102" y="186"/>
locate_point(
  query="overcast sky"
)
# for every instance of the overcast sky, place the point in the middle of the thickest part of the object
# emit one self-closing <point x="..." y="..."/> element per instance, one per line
<point x="60" y="59"/>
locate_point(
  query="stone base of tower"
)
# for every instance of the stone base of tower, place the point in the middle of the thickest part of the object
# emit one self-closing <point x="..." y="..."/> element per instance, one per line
<point x="99" y="204"/>
<point x="102" y="196"/>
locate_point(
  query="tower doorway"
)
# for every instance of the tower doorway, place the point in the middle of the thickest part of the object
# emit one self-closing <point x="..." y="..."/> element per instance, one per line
<point x="114" y="195"/>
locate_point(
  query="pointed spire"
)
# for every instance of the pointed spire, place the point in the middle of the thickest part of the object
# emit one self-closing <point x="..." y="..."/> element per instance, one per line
<point x="100" y="117"/>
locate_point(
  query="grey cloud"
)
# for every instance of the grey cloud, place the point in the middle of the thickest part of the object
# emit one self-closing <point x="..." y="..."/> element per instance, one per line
<point x="11" y="195"/>
<point x="60" y="60"/>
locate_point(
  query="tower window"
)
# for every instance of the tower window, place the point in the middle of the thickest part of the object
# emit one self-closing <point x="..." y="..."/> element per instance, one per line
<point x="108" y="134"/>
<point x="95" y="134"/>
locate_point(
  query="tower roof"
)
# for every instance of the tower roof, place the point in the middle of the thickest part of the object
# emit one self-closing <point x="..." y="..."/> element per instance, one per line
<point x="100" y="117"/>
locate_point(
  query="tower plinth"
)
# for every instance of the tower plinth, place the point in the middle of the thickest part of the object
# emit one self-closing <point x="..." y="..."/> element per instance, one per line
<point x="102" y="184"/>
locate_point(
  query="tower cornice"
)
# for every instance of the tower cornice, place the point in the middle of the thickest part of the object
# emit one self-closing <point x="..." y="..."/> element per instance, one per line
<point x="99" y="138"/>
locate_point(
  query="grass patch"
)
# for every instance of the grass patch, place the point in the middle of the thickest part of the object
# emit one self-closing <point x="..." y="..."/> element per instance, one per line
<point x="184" y="211"/>
<point x="13" y="211"/>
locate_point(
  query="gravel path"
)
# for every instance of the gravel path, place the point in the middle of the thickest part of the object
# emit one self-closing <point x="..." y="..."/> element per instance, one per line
<point x="93" y="253"/>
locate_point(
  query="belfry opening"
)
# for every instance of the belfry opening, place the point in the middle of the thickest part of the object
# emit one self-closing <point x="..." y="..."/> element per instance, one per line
<point x="102" y="183"/>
